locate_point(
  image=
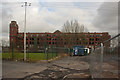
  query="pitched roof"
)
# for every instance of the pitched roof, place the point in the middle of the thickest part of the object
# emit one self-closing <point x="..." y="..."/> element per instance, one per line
<point x="57" y="32"/>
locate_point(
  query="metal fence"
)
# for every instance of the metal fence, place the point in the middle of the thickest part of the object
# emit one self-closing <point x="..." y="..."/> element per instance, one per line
<point x="46" y="53"/>
<point x="56" y="52"/>
<point x="104" y="59"/>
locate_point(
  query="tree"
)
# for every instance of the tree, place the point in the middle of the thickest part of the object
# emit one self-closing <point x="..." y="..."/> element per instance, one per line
<point x="72" y="27"/>
<point x="114" y="42"/>
<point x="73" y="34"/>
<point x="4" y="43"/>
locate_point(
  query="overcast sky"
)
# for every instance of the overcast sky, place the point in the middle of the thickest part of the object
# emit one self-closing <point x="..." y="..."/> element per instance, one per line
<point x="44" y="16"/>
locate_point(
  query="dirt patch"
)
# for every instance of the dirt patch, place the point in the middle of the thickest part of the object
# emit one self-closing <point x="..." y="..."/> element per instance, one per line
<point x="56" y="72"/>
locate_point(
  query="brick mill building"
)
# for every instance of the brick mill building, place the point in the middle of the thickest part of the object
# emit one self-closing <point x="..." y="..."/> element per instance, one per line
<point x="56" y="39"/>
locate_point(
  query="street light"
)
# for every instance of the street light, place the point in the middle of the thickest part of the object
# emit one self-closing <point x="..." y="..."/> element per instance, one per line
<point x="25" y="30"/>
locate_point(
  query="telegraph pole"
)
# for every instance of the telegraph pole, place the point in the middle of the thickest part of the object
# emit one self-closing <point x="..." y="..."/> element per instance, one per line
<point x="26" y="4"/>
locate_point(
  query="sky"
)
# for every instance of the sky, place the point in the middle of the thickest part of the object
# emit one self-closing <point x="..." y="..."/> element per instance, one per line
<point x="50" y="15"/>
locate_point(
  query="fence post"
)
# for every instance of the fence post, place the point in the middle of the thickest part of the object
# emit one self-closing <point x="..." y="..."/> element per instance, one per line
<point x="101" y="60"/>
<point x="92" y="64"/>
<point x="52" y="52"/>
<point x="45" y="53"/>
<point x="28" y="53"/>
<point x="68" y="51"/>
<point x="12" y="52"/>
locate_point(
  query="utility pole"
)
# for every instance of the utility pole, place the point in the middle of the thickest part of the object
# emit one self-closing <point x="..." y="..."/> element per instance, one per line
<point x="26" y="4"/>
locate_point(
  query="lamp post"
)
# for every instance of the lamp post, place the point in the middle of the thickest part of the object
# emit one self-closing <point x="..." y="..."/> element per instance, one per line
<point x="25" y="30"/>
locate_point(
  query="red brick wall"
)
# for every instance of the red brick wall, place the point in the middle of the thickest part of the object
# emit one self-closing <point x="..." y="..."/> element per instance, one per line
<point x="51" y="39"/>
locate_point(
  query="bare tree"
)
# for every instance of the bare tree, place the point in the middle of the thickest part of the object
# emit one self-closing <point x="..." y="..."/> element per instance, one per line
<point x="4" y="43"/>
<point x="114" y="42"/>
<point x="72" y="27"/>
<point x="66" y="27"/>
<point x="73" y="33"/>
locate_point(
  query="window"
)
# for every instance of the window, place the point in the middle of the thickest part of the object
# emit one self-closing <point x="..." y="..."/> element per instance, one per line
<point x="49" y="42"/>
<point x="37" y="35"/>
<point x="97" y="35"/>
<point x="32" y="38"/>
<point x="31" y="35"/>
<point x="42" y="38"/>
<point x="91" y="39"/>
<point x="42" y="34"/>
<point x="89" y="42"/>
<point x="91" y="35"/>
<point x="38" y="43"/>
<point x="97" y="39"/>
<point x="32" y="42"/>
<point x="53" y="42"/>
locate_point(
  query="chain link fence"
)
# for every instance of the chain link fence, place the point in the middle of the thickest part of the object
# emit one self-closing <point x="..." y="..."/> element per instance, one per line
<point x="104" y="59"/>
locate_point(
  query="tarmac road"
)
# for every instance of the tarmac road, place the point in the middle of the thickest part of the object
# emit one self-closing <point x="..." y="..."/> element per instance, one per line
<point x="12" y="69"/>
<point x="77" y="66"/>
<point x="65" y="68"/>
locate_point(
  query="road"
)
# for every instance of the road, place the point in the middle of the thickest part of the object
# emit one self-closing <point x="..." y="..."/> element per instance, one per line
<point x="67" y="67"/>
<point x="12" y="69"/>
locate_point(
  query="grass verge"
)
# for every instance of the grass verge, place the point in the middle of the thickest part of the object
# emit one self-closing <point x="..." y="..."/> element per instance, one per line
<point x="29" y="56"/>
